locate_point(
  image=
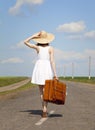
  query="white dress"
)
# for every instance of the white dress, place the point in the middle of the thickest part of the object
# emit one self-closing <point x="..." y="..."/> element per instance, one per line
<point x="42" y="69"/>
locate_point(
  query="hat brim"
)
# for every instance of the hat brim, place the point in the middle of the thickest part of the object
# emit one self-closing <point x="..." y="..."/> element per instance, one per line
<point x="50" y="37"/>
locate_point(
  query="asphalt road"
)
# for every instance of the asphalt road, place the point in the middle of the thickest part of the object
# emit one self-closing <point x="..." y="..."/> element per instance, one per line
<point x="22" y="111"/>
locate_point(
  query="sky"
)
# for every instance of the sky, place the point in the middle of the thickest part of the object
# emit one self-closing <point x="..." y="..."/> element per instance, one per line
<point x="71" y="21"/>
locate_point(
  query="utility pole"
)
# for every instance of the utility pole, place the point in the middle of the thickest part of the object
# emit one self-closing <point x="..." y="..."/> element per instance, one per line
<point x="89" y="67"/>
<point x="64" y="71"/>
<point x="72" y="70"/>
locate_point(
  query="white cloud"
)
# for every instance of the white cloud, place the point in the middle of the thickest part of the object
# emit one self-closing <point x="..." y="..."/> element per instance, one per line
<point x="90" y="34"/>
<point x="79" y="59"/>
<point x="74" y="37"/>
<point x="15" y="10"/>
<point x="19" y="45"/>
<point x="76" y="31"/>
<point x="73" y="55"/>
<point x="89" y="52"/>
<point x="87" y="35"/>
<point x="12" y="60"/>
<point x="73" y="27"/>
<point x="67" y="55"/>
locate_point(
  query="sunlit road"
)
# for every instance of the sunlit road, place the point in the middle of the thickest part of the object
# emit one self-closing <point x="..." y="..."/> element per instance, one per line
<point x="23" y="111"/>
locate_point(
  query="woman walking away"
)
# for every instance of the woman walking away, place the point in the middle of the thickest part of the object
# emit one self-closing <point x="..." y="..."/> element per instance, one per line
<point x="45" y="66"/>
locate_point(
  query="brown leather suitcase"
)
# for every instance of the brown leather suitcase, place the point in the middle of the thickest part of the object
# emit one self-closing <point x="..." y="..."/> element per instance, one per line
<point x="55" y="92"/>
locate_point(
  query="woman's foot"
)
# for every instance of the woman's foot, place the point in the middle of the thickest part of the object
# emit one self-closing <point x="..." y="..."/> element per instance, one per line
<point x="44" y="114"/>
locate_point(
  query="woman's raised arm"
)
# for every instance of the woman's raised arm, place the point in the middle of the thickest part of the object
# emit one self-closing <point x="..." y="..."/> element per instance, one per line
<point x="27" y="42"/>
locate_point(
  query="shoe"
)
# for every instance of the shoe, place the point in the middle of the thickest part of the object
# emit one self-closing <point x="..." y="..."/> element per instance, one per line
<point x="44" y="115"/>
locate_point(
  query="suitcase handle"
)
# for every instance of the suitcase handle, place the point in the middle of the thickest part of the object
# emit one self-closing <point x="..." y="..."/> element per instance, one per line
<point x="55" y="78"/>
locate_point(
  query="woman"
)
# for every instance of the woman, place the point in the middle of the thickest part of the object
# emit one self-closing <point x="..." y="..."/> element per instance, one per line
<point x="45" y="66"/>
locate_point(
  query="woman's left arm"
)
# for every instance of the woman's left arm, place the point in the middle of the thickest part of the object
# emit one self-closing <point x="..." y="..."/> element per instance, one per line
<point x="51" y="51"/>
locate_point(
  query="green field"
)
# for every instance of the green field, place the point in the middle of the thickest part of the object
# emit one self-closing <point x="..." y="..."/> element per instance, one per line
<point x="10" y="80"/>
<point x="23" y="87"/>
<point x="79" y="79"/>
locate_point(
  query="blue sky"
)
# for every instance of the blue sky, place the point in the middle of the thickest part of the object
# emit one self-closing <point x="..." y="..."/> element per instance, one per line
<point x="71" y="21"/>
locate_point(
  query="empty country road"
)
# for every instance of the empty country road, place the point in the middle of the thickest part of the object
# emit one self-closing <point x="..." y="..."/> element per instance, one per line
<point x="22" y="111"/>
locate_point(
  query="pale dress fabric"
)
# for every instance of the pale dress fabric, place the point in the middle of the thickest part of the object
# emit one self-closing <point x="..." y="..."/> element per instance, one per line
<point x="42" y="69"/>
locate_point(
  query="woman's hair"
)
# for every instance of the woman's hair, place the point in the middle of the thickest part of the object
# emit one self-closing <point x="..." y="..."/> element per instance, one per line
<point x="43" y="45"/>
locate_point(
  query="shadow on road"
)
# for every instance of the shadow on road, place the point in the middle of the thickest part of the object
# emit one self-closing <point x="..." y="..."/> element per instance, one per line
<point x="39" y="112"/>
<point x="55" y="115"/>
<point x="34" y="112"/>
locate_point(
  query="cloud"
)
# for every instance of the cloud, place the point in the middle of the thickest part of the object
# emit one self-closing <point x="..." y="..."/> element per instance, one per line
<point x="64" y="60"/>
<point x="74" y="37"/>
<point x="67" y="55"/>
<point x="89" y="52"/>
<point x="86" y="35"/>
<point x="76" y="31"/>
<point x="12" y="60"/>
<point x="90" y="34"/>
<point x="15" y="10"/>
<point x="73" y="55"/>
<point x="83" y="36"/>
<point x="19" y="45"/>
<point x="73" y="27"/>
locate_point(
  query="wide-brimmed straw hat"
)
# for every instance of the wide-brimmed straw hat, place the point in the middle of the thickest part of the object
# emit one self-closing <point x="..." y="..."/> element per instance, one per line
<point x="43" y="37"/>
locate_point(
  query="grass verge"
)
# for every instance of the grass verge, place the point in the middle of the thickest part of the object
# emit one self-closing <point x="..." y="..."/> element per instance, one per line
<point x="79" y="79"/>
<point x="4" y="81"/>
<point x="22" y="88"/>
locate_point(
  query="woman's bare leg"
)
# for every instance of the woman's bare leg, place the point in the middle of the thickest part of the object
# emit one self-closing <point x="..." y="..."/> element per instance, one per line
<point x="44" y="103"/>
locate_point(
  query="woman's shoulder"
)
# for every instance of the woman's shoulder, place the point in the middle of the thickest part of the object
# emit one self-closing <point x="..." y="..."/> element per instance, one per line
<point x="51" y="49"/>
